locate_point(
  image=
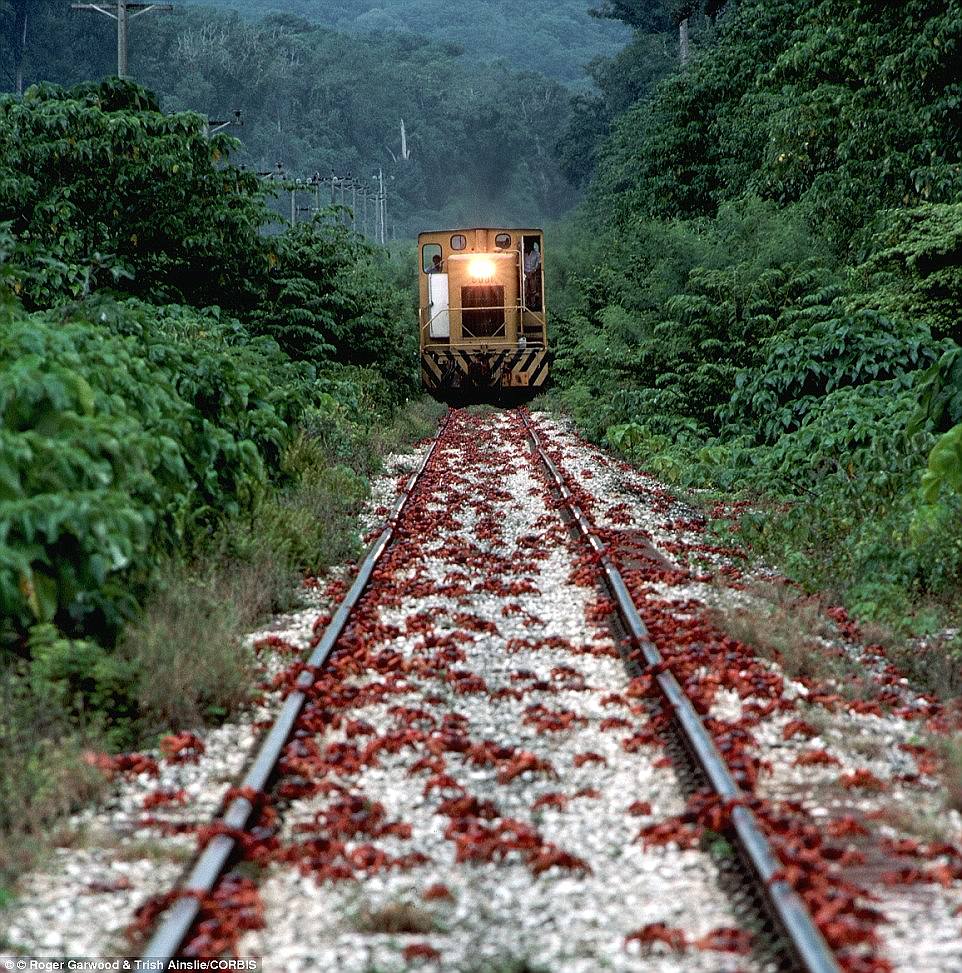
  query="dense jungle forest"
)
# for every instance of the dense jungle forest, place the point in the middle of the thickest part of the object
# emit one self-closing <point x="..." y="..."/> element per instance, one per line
<point x="479" y="133"/>
<point x="755" y="239"/>
<point x="556" y="38"/>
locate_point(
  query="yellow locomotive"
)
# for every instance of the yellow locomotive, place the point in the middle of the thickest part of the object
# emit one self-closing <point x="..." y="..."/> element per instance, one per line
<point x="482" y="310"/>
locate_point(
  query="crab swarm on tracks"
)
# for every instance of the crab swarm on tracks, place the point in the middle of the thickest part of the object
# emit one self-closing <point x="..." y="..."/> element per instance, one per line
<point x="123" y="855"/>
<point x="842" y="771"/>
<point x="474" y="780"/>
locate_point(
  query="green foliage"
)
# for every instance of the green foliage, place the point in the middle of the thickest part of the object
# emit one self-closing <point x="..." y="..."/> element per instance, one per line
<point x="915" y="264"/>
<point x="553" y="37"/>
<point x="739" y="359"/>
<point x="80" y="676"/>
<point x="650" y="16"/>
<point x="43" y="775"/>
<point x="814" y="354"/>
<point x="327" y="298"/>
<point x="480" y="136"/>
<point x="101" y="188"/>
<point x="772" y="298"/>
<point x="844" y="107"/>
<point x="168" y="471"/>
<point x="122" y="197"/>
<point x="126" y="430"/>
<point x="940" y="393"/>
<point x="622" y="80"/>
<point x="673" y="311"/>
<point x="945" y="466"/>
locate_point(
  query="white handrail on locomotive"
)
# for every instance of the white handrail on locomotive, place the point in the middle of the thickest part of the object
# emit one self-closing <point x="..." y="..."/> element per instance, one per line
<point x="487" y="342"/>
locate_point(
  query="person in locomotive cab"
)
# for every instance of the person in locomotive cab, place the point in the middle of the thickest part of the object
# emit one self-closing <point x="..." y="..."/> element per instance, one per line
<point x="436" y="267"/>
<point x="532" y="275"/>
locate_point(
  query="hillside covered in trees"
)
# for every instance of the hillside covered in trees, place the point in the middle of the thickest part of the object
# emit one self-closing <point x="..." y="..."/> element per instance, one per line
<point x="480" y="136"/>
<point x="764" y="290"/>
<point x="556" y="38"/>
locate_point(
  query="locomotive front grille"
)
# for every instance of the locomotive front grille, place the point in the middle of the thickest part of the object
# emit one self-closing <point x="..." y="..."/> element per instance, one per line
<point x="482" y="311"/>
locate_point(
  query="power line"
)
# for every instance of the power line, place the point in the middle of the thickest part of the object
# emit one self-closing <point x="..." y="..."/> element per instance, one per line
<point x="373" y="203"/>
<point x="373" y="222"/>
<point x="219" y="124"/>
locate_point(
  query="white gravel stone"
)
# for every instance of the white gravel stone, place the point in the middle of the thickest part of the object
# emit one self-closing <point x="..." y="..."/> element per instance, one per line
<point x="561" y="921"/>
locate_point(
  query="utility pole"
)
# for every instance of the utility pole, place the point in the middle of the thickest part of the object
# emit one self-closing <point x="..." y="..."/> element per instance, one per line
<point x="370" y="221"/>
<point x="20" y="29"/>
<point x="123" y="12"/>
<point x="381" y="208"/>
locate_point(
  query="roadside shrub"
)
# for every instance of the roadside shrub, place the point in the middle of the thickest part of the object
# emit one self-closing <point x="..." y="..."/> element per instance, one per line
<point x="43" y="774"/>
<point x="185" y="649"/>
<point x="914" y="265"/>
<point x="120" y="443"/>
<point x="327" y="299"/>
<point x="725" y="362"/>
<point x="168" y="471"/>
<point x="810" y="360"/>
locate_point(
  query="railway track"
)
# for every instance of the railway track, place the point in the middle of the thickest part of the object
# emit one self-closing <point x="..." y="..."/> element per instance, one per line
<point x="466" y="673"/>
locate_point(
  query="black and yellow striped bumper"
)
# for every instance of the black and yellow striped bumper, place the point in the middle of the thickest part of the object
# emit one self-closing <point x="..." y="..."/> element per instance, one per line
<point x="453" y="368"/>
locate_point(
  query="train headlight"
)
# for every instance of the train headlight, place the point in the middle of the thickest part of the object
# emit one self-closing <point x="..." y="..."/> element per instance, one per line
<point x="481" y="268"/>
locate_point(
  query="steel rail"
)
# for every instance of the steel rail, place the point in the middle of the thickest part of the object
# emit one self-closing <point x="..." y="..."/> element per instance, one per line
<point x="811" y="951"/>
<point x="170" y="935"/>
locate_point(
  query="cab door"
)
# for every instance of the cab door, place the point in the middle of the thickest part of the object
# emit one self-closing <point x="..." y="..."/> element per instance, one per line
<point x="439" y="312"/>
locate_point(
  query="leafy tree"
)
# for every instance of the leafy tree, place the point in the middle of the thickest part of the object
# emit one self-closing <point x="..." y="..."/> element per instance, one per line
<point x="326" y="299"/>
<point x="622" y="81"/>
<point x="123" y="439"/>
<point x="846" y="108"/>
<point x="659" y="16"/>
<point x="122" y="197"/>
<point x="100" y="187"/>
<point x="648" y="16"/>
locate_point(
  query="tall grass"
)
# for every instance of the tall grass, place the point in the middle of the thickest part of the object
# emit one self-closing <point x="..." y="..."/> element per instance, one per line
<point x="43" y="774"/>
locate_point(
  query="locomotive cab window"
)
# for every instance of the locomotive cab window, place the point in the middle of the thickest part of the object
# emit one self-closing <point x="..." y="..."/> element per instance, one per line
<point x="458" y="242"/>
<point x="502" y="241"/>
<point x="431" y="262"/>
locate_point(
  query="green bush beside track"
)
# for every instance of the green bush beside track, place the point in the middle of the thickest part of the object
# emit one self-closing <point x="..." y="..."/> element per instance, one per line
<point x="191" y="402"/>
<point x="762" y="294"/>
